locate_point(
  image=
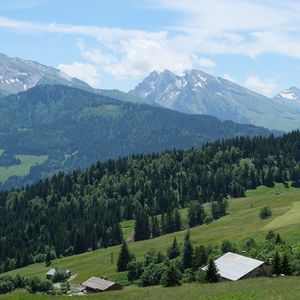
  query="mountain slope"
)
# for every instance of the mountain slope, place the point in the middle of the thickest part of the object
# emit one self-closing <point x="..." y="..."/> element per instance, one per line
<point x="199" y="93"/>
<point x="289" y="98"/>
<point x="74" y="128"/>
<point x="18" y="75"/>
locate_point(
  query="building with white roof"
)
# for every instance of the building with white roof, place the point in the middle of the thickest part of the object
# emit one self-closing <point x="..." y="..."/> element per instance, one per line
<point x="232" y="266"/>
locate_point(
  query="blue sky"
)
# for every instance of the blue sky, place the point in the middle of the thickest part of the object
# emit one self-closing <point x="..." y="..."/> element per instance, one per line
<point x="115" y="44"/>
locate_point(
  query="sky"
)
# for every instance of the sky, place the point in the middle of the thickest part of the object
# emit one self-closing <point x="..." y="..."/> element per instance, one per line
<point x="116" y="43"/>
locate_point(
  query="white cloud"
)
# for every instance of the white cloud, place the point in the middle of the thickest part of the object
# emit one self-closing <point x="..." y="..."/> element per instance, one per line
<point x="266" y="87"/>
<point x="207" y="63"/>
<point x="85" y="72"/>
<point x="230" y="78"/>
<point x="206" y="28"/>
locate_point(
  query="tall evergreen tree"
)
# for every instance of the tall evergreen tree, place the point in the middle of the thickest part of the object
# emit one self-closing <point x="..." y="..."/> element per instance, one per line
<point x="200" y="257"/>
<point x="177" y="220"/>
<point x="142" y="226"/>
<point x="174" y="250"/>
<point x="196" y="214"/>
<point x="285" y="265"/>
<point x="212" y="271"/>
<point x="276" y="265"/>
<point x="187" y="252"/>
<point x="124" y="258"/>
<point x="155" y="228"/>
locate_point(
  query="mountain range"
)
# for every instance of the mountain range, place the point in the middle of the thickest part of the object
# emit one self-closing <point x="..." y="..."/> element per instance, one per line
<point x="71" y="125"/>
<point x="199" y="93"/>
<point x="290" y="98"/>
<point x="18" y="75"/>
<point x="195" y="92"/>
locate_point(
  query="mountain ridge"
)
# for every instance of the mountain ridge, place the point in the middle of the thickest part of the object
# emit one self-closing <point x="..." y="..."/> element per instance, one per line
<point x="76" y="128"/>
<point x="196" y="92"/>
<point x="18" y="75"/>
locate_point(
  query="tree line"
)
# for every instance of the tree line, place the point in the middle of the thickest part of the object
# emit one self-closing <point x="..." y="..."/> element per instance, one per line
<point x="184" y="263"/>
<point x="71" y="213"/>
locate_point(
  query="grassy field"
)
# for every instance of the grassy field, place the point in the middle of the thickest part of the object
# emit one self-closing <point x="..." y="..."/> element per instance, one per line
<point x="252" y="289"/>
<point x="27" y="161"/>
<point x="242" y="222"/>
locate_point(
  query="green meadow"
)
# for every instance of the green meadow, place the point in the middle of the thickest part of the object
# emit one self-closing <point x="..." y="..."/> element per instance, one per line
<point x="241" y="222"/>
<point x="23" y="169"/>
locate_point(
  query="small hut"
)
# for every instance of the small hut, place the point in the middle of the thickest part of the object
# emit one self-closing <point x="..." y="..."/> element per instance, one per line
<point x="98" y="285"/>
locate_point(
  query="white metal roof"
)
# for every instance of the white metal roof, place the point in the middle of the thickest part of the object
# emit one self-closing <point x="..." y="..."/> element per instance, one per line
<point x="233" y="266"/>
<point x="51" y="272"/>
<point x="98" y="283"/>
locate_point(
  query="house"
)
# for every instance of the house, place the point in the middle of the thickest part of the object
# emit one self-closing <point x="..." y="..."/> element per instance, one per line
<point x="98" y="285"/>
<point x="232" y="266"/>
<point x="52" y="272"/>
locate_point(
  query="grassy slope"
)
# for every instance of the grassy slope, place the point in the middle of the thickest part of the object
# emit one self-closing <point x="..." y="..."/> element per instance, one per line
<point x="241" y="222"/>
<point x="27" y="161"/>
<point x="252" y="289"/>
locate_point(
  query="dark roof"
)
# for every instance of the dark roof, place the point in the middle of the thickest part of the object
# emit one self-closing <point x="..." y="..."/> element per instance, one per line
<point x="96" y="283"/>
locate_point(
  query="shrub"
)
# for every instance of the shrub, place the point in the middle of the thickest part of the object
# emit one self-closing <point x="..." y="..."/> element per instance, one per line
<point x="36" y="284"/>
<point x="200" y="276"/>
<point x="171" y="276"/>
<point x="60" y="276"/>
<point x="152" y="275"/>
<point x="227" y="246"/>
<point x="265" y="213"/>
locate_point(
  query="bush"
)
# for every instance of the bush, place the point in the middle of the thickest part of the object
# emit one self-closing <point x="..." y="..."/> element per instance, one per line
<point x="228" y="246"/>
<point x="200" y="276"/>
<point x="60" y="276"/>
<point x="135" y="270"/>
<point x="265" y="213"/>
<point x="171" y="276"/>
<point x="36" y="284"/>
<point x="152" y="275"/>
<point x="6" y="286"/>
<point x="188" y="276"/>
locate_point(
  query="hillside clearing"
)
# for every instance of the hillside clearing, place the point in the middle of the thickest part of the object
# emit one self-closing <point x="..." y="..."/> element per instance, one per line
<point x="242" y="222"/>
<point x="23" y="169"/>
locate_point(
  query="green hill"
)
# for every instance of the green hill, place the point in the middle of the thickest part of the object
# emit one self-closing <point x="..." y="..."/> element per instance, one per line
<point x="242" y="222"/>
<point x="75" y="128"/>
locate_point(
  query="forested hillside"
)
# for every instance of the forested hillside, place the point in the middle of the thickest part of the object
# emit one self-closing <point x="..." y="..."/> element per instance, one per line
<point x="74" y="128"/>
<point x="70" y="213"/>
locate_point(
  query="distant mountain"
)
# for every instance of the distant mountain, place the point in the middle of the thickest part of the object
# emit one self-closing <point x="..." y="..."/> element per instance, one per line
<point x="122" y="96"/>
<point x="199" y="93"/>
<point x="289" y="97"/>
<point x="74" y="128"/>
<point x="18" y="75"/>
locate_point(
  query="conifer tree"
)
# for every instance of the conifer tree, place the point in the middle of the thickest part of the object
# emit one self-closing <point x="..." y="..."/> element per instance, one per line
<point x="155" y="228"/>
<point x="212" y="271"/>
<point x="200" y="257"/>
<point x="187" y="252"/>
<point x="174" y="250"/>
<point x="124" y="258"/>
<point x="177" y="220"/>
<point x="285" y="265"/>
<point x="276" y="265"/>
<point x="195" y="214"/>
<point x="170" y="222"/>
<point x="142" y="226"/>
